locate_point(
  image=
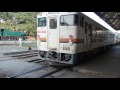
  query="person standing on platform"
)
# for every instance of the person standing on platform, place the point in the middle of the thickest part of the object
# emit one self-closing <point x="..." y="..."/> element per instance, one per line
<point x="20" y="41"/>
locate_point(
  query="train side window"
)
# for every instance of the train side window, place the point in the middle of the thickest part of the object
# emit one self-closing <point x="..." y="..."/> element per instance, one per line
<point x="76" y="19"/>
<point x="106" y="36"/>
<point x="53" y="23"/>
<point x="113" y="35"/>
<point x="90" y="28"/>
<point x="97" y="35"/>
<point x="82" y="21"/>
<point x="86" y="25"/>
<point x="102" y="35"/>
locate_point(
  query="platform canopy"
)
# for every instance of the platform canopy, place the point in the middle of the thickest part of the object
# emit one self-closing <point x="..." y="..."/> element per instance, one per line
<point x="112" y="18"/>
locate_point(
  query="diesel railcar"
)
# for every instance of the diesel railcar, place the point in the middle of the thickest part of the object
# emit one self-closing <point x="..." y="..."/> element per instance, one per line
<point x="65" y="37"/>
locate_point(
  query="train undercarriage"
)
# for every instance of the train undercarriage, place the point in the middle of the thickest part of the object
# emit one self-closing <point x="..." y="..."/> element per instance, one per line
<point x="71" y="59"/>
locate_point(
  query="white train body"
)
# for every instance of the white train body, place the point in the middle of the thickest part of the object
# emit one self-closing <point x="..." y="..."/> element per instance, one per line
<point x="65" y="36"/>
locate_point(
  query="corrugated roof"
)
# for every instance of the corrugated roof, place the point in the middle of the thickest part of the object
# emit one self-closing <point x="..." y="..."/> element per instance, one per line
<point x="112" y="18"/>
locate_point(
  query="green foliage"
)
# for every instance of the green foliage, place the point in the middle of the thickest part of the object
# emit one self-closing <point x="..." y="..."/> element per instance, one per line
<point x="21" y="21"/>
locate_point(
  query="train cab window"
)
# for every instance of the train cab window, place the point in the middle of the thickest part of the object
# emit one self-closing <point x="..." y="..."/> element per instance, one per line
<point x="69" y="20"/>
<point x="53" y="23"/>
<point x="42" y="22"/>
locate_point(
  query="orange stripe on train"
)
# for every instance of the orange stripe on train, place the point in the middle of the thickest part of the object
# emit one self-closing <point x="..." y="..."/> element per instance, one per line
<point x="42" y="39"/>
<point x="66" y="40"/>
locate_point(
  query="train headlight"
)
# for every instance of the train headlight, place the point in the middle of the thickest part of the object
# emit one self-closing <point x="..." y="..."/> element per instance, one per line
<point x="68" y="48"/>
<point x="70" y="42"/>
<point x="64" y="48"/>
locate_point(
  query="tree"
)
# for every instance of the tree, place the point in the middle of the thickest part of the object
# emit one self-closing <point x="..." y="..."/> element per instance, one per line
<point x="24" y="21"/>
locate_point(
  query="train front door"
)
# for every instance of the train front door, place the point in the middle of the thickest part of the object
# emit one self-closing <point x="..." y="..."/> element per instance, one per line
<point x="53" y="33"/>
<point x="88" y="37"/>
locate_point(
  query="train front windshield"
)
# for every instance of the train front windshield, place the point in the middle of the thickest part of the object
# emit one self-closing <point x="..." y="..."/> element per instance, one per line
<point x="69" y="20"/>
<point x="42" y="22"/>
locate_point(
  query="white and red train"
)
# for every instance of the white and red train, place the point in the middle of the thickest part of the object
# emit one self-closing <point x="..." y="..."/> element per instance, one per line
<point x="65" y="37"/>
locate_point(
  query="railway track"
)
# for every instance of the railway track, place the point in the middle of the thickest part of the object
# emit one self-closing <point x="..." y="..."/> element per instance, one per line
<point x="44" y="71"/>
<point x="31" y="57"/>
<point x="23" y="54"/>
<point x="11" y="53"/>
<point x="26" y="72"/>
<point x="41" y="72"/>
<point x="50" y="73"/>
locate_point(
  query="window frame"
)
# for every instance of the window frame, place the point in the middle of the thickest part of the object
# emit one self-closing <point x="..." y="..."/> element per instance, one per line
<point x="73" y="20"/>
<point x="81" y="20"/>
<point x="50" y="23"/>
<point x="38" y="24"/>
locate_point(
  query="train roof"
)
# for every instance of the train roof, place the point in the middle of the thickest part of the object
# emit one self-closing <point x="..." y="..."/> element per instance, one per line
<point x="44" y="14"/>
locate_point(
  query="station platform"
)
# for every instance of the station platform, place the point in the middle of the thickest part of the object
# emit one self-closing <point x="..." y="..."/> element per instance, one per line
<point x="105" y="64"/>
